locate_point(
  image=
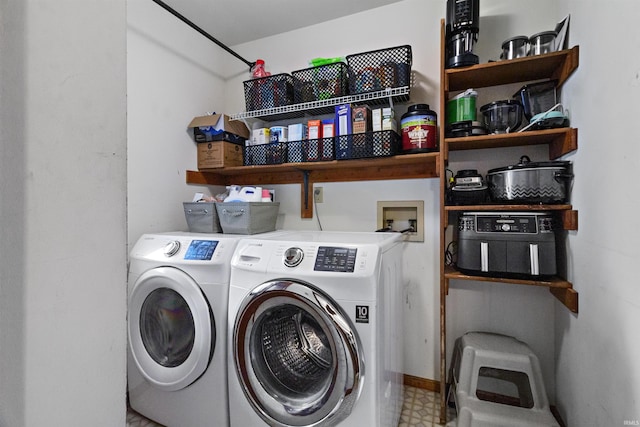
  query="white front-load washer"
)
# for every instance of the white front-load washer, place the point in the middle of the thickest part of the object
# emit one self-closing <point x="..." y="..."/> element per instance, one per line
<point x="315" y="330"/>
<point x="177" y="323"/>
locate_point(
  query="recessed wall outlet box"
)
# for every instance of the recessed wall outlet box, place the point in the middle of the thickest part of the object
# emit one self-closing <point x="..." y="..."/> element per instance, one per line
<point x="403" y="215"/>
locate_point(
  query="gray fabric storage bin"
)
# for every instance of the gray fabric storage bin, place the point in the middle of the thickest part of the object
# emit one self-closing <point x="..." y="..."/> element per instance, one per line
<point x="202" y="217"/>
<point x="248" y="217"/>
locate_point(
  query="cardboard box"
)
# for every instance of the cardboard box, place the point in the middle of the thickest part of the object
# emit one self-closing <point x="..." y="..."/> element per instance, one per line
<point x="328" y="128"/>
<point x="218" y="154"/>
<point x="314" y="129"/>
<point x="361" y="119"/>
<point x="297" y="132"/>
<point x="260" y="136"/>
<point x="343" y="120"/>
<point x="376" y="119"/>
<point x="388" y="120"/>
<point x="218" y="127"/>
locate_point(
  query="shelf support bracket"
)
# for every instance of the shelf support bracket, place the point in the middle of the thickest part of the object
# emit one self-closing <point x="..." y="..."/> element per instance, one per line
<point x="390" y="98"/>
<point x="307" y="204"/>
<point x="567" y="296"/>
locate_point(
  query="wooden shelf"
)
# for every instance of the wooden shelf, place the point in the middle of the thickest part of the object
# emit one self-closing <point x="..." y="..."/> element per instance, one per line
<point x="552" y="66"/>
<point x="560" y="288"/>
<point x="561" y="141"/>
<point x="555" y="65"/>
<point x="496" y="207"/>
<point x="408" y="166"/>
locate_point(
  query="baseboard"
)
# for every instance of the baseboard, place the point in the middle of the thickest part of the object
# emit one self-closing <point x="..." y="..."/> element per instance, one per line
<point x="423" y="383"/>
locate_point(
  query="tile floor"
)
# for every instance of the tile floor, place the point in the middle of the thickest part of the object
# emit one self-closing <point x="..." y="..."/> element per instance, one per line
<point x="421" y="409"/>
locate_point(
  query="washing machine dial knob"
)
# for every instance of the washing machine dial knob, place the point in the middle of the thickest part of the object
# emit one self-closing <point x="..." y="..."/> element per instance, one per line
<point x="172" y="248"/>
<point x="293" y="257"/>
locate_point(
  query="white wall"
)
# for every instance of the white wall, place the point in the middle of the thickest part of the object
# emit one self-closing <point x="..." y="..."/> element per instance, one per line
<point x="173" y="75"/>
<point x="598" y="373"/>
<point x="352" y="206"/>
<point x="590" y="362"/>
<point x="63" y="246"/>
<point x="416" y="23"/>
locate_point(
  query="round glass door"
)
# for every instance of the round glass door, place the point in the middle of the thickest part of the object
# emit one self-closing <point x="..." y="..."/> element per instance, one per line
<point x="171" y="328"/>
<point x="297" y="355"/>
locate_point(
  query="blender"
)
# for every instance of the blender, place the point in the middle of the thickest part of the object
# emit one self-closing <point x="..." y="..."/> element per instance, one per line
<point x="462" y="28"/>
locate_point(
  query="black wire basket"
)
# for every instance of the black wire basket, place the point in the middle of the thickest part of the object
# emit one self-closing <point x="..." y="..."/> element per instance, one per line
<point x="265" y="154"/>
<point x="379" y="69"/>
<point x="366" y="145"/>
<point x="320" y="83"/>
<point x="310" y="150"/>
<point x="268" y="92"/>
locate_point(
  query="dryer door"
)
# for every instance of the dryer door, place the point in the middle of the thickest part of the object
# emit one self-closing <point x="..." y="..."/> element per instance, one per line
<point x="297" y="355"/>
<point x="171" y="328"/>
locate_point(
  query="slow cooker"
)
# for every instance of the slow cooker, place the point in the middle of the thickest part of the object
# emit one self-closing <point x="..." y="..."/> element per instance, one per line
<point x="531" y="182"/>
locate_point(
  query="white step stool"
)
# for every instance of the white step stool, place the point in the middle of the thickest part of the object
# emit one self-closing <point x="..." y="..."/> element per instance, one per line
<point x="495" y="380"/>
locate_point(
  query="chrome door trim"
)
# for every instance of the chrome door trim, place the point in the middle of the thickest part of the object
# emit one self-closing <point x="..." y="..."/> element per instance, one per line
<point x="326" y="407"/>
<point x="179" y="377"/>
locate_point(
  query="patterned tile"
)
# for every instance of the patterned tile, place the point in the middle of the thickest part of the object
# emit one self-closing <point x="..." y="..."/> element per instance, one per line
<point x="421" y="408"/>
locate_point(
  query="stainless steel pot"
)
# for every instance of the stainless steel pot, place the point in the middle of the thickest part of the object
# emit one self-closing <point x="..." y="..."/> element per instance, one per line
<point x="531" y="182"/>
<point x="515" y="47"/>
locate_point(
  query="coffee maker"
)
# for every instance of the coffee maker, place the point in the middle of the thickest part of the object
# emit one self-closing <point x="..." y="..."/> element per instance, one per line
<point x="462" y="28"/>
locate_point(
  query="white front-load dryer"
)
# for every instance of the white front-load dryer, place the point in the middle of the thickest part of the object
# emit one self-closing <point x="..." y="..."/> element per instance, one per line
<point x="315" y="330"/>
<point x="177" y="353"/>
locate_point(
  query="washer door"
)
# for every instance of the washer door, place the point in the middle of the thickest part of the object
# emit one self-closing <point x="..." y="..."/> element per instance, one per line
<point x="171" y="328"/>
<point x="297" y="355"/>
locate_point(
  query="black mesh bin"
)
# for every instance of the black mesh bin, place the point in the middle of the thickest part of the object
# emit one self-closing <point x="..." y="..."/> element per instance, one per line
<point x="265" y="154"/>
<point x="369" y="144"/>
<point x="319" y="83"/>
<point x="379" y="69"/>
<point x="310" y="150"/>
<point x="268" y="92"/>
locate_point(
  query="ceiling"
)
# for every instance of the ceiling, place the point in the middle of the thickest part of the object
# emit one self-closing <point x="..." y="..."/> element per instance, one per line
<point x="233" y="22"/>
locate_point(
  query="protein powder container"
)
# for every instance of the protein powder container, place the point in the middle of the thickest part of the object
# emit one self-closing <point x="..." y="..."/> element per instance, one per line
<point x="419" y="129"/>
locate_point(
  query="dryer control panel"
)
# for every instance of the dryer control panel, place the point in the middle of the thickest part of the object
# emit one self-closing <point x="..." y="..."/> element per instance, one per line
<point x="332" y="258"/>
<point x="201" y="250"/>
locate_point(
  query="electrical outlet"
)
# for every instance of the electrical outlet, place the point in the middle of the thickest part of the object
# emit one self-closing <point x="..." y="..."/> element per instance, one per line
<point x="318" y="195"/>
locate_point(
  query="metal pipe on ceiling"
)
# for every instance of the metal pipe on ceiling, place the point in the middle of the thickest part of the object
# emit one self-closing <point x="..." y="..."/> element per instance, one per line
<point x="201" y="31"/>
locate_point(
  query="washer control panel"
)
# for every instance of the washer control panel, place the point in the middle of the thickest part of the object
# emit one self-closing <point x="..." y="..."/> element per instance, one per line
<point x="332" y="258"/>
